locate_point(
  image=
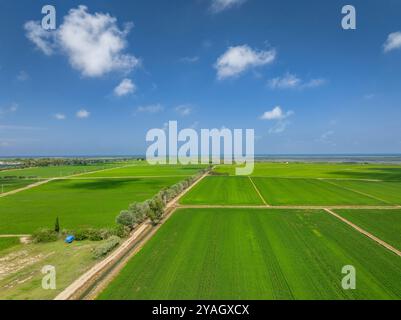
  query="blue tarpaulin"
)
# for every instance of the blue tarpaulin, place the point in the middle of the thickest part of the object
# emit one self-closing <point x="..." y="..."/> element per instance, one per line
<point x="69" y="239"/>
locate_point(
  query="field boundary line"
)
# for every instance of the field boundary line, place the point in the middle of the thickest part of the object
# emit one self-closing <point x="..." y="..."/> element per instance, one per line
<point x="364" y="232"/>
<point x="258" y="192"/>
<point x="356" y="191"/>
<point x="86" y="285"/>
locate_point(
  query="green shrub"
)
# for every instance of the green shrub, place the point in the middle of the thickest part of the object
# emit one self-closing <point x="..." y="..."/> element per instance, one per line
<point x="121" y="231"/>
<point x="125" y="218"/>
<point x="45" y="235"/>
<point x="91" y="234"/>
<point x="105" y="248"/>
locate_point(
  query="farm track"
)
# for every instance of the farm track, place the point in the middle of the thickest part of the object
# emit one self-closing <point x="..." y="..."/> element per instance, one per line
<point x="89" y="285"/>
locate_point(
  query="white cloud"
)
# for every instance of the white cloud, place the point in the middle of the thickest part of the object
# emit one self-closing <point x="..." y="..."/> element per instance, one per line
<point x="237" y="60"/>
<point x="60" y="116"/>
<point x="190" y="59"/>
<point x="221" y="5"/>
<point x="287" y="81"/>
<point x="125" y="87"/>
<point x="153" y="108"/>
<point x="276" y="114"/>
<point x="280" y="117"/>
<point x="82" y="114"/>
<point x="393" y="41"/>
<point x="184" y="110"/>
<point x="292" y="81"/>
<point x="44" y="40"/>
<point x="93" y="43"/>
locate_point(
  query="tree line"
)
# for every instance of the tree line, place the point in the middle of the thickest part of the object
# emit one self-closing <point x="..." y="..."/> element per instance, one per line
<point x="153" y="209"/>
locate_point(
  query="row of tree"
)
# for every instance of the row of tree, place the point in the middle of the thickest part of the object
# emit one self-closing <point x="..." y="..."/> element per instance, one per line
<point x="46" y="162"/>
<point x="153" y="209"/>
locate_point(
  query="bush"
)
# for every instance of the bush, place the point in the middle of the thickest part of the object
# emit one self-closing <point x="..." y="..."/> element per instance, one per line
<point x="92" y="234"/>
<point x="105" y="248"/>
<point x="125" y="218"/>
<point x="45" y="235"/>
<point x="121" y="231"/>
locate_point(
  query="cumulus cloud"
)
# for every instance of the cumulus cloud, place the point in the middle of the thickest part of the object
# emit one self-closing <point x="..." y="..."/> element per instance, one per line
<point x="237" y="60"/>
<point x="279" y="117"/>
<point x="125" y="87"/>
<point x="44" y="40"/>
<point x="60" y="116"/>
<point x="184" y="110"/>
<point x="276" y="114"/>
<point x="93" y="43"/>
<point x="82" y="114"/>
<point x="153" y="108"/>
<point x="221" y="5"/>
<point x="393" y="41"/>
<point x="292" y="81"/>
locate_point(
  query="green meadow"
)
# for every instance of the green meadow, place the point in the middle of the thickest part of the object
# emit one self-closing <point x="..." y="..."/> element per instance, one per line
<point x="256" y="254"/>
<point x="77" y="203"/>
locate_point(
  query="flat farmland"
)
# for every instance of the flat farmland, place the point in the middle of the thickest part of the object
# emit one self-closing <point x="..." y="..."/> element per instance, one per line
<point x="55" y="171"/>
<point x="322" y="170"/>
<point x="256" y="254"/>
<point x="145" y="170"/>
<point x="287" y="191"/>
<point x="387" y="191"/>
<point x="93" y="203"/>
<point x="7" y="185"/>
<point x="223" y="191"/>
<point x="385" y="224"/>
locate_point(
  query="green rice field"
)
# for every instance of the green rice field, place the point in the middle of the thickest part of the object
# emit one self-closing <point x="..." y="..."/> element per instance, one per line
<point x="223" y="191"/>
<point x="322" y="170"/>
<point x="256" y="254"/>
<point x="385" y="224"/>
<point x="145" y="170"/>
<point x="77" y="203"/>
<point x="55" y="171"/>
<point x="7" y="185"/>
<point x="282" y="191"/>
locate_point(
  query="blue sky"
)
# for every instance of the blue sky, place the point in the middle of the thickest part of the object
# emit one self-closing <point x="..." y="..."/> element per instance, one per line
<point x="286" y="68"/>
